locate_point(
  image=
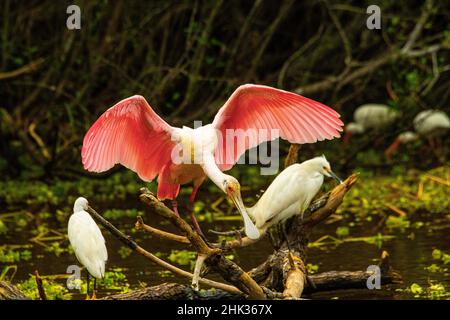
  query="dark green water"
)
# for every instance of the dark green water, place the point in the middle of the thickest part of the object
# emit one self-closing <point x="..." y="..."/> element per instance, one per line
<point x="410" y="255"/>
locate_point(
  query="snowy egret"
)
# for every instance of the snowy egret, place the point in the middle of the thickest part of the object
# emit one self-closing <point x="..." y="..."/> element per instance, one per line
<point x="427" y="124"/>
<point x="291" y="192"/>
<point x="132" y="134"/>
<point x="87" y="242"/>
<point x="370" y="117"/>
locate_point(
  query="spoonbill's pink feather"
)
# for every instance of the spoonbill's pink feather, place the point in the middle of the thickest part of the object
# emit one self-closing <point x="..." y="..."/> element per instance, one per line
<point x="298" y="119"/>
<point x="132" y="134"/>
<point x="166" y="189"/>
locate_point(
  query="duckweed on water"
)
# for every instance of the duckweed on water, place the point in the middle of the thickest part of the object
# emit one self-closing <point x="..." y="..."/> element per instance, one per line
<point x="439" y="255"/>
<point x="53" y="290"/>
<point x="115" y="214"/>
<point x="183" y="257"/>
<point x="12" y="255"/>
<point x="312" y="268"/>
<point x="343" y="231"/>
<point x="435" y="289"/>
<point x="115" y="279"/>
<point x="401" y="223"/>
<point x="124" y="252"/>
<point x="3" y="227"/>
<point x="372" y="193"/>
<point x="62" y="193"/>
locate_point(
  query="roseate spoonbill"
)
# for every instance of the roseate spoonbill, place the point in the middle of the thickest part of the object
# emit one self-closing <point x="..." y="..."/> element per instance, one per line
<point x="87" y="242"/>
<point x="427" y="124"/>
<point x="290" y="193"/>
<point x="132" y="134"/>
<point x="370" y="117"/>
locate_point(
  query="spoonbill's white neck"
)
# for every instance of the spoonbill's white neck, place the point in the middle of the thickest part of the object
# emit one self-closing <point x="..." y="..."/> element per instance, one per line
<point x="231" y="187"/>
<point x="213" y="172"/>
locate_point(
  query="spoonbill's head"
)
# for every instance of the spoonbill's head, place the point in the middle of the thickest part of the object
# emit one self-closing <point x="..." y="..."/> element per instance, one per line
<point x="322" y="166"/>
<point x="351" y="129"/>
<point x="80" y="204"/>
<point x="232" y="188"/>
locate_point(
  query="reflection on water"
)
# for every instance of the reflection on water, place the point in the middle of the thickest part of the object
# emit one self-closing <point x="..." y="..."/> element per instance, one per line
<point x="409" y="256"/>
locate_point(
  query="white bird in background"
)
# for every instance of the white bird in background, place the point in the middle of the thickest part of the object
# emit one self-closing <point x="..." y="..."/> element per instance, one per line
<point x="428" y="124"/>
<point x="87" y="242"/>
<point x="132" y="134"/>
<point x="370" y="117"/>
<point x="290" y="193"/>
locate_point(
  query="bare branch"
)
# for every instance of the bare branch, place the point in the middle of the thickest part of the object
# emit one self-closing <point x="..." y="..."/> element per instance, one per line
<point x="140" y="225"/>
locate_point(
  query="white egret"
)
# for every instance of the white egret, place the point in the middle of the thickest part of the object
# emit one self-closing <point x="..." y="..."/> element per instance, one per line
<point x="290" y="193"/>
<point x="87" y="242"/>
<point x="428" y="124"/>
<point x="370" y="117"/>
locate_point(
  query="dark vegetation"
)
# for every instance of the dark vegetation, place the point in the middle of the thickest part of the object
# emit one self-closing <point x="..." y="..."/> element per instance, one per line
<point x="186" y="58"/>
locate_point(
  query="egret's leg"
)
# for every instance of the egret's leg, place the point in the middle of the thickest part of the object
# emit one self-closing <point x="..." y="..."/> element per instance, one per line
<point x="283" y="228"/>
<point x="94" y="297"/>
<point x="87" y="285"/>
<point x="272" y="240"/>
<point x="175" y="207"/>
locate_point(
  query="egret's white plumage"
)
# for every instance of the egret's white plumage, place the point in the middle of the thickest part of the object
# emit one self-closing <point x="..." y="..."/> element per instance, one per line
<point x="290" y="193"/>
<point x="87" y="240"/>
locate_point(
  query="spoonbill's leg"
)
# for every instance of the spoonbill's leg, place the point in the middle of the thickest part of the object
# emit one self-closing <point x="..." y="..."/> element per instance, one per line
<point x="191" y="211"/>
<point x="175" y="207"/>
<point x="87" y="285"/>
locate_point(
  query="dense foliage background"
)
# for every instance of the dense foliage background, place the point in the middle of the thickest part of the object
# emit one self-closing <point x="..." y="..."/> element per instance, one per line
<point x="186" y="57"/>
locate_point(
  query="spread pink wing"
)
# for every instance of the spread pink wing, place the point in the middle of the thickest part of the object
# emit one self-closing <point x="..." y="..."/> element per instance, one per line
<point x="298" y="120"/>
<point x="132" y="134"/>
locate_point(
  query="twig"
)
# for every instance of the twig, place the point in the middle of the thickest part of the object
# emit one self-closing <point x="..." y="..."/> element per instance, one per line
<point x="398" y="211"/>
<point x="140" y="225"/>
<point x="28" y="68"/>
<point x="39" y="285"/>
<point x="426" y="11"/>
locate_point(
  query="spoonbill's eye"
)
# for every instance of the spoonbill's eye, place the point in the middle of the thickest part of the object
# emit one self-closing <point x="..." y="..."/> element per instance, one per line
<point x="229" y="188"/>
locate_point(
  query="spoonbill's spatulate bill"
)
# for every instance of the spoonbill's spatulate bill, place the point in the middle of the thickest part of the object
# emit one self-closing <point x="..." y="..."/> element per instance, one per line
<point x="291" y="192"/>
<point x="87" y="242"/>
<point x="132" y="134"/>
